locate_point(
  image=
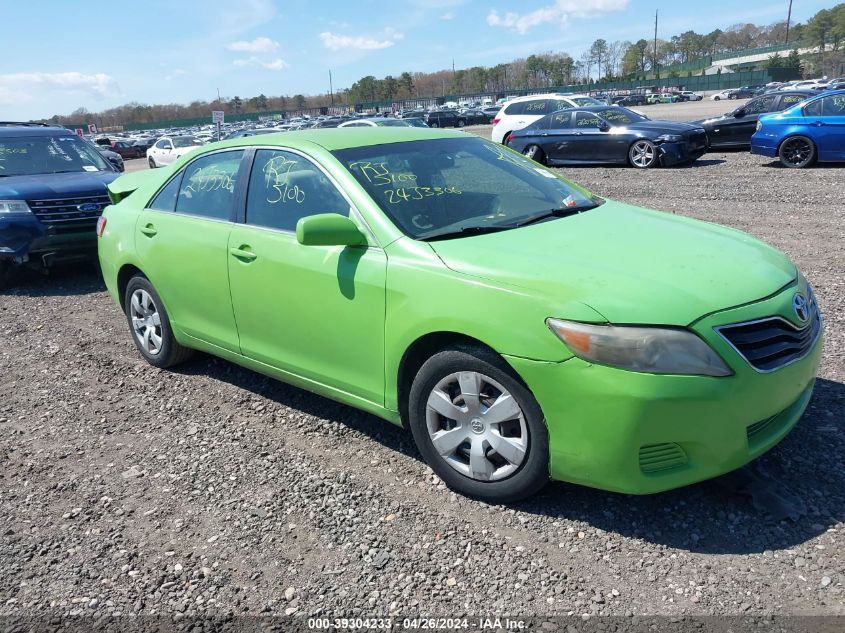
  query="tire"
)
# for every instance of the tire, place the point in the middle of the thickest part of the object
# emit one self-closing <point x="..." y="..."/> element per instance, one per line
<point x="797" y="152"/>
<point x="535" y="153"/>
<point x="461" y="123"/>
<point x="643" y="154"/>
<point x="433" y="124"/>
<point x="152" y="163"/>
<point x="717" y="98"/>
<point x="7" y="274"/>
<point x="474" y="467"/>
<point x="505" y="139"/>
<point x="149" y="325"/>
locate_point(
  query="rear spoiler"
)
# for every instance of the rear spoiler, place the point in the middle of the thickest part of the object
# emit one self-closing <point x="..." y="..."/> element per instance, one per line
<point x="122" y="187"/>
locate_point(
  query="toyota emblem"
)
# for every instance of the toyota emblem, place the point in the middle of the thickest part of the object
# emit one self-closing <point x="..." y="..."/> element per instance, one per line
<point x="801" y="307"/>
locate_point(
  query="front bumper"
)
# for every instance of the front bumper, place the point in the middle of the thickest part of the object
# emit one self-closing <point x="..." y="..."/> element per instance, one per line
<point x="17" y="233"/>
<point x="24" y="237"/>
<point x="678" y="153"/>
<point x="643" y="433"/>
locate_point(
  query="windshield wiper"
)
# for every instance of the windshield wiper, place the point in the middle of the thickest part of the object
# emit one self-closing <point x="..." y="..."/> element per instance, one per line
<point x="563" y="212"/>
<point x="463" y="231"/>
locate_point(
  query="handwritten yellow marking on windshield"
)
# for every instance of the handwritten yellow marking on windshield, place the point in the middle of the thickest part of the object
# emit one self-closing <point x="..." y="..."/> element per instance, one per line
<point x="380" y="175"/>
<point x="395" y="196"/>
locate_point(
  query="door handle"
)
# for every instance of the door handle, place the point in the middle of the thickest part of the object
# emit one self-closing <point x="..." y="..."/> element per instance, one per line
<point x="243" y="253"/>
<point x="149" y="230"/>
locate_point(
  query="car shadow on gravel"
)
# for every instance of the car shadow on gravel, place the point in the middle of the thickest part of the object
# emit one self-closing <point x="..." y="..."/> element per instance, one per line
<point x="776" y="164"/>
<point x="788" y="496"/>
<point x="779" y="501"/>
<point x="66" y="280"/>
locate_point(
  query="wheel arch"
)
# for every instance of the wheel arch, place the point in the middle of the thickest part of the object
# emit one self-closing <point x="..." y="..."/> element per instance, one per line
<point x="424" y="348"/>
<point x="126" y="272"/>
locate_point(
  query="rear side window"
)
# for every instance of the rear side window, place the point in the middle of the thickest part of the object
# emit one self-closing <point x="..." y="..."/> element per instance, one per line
<point x="833" y="105"/>
<point x="166" y="198"/>
<point x="560" y="120"/>
<point x="814" y="108"/>
<point x="790" y="100"/>
<point x="284" y="187"/>
<point x="208" y="186"/>
<point x="515" y="108"/>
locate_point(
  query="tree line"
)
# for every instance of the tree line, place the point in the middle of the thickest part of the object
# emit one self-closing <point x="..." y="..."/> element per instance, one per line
<point x="602" y="61"/>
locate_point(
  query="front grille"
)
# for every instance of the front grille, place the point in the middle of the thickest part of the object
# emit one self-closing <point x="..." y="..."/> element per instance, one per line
<point x="655" y="457"/>
<point x="697" y="140"/>
<point x="771" y="343"/>
<point x="63" y="215"/>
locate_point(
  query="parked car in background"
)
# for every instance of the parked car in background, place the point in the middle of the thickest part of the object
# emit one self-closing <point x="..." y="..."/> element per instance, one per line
<point x="745" y="92"/>
<point x="519" y="326"/>
<point x="113" y="157"/>
<point x="52" y="190"/>
<point x="813" y="130"/>
<point x="144" y="144"/>
<point x="490" y="112"/>
<point x="170" y="148"/>
<point x="719" y="96"/>
<point x="255" y="132"/>
<point x="126" y="149"/>
<point x="524" y="111"/>
<point x="608" y="134"/>
<point x="472" y="117"/>
<point x="689" y="95"/>
<point x="442" y="118"/>
<point x="735" y="128"/>
<point x="416" y="122"/>
<point x="376" y="122"/>
<point x="630" y="100"/>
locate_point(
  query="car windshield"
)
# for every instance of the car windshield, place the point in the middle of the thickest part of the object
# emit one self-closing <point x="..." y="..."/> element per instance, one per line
<point x="29" y="155"/>
<point x="620" y="116"/>
<point x="393" y="123"/>
<point x="185" y="141"/>
<point x="446" y="187"/>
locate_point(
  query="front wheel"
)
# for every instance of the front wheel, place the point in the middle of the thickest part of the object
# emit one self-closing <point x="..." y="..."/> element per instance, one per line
<point x="7" y="274"/>
<point x="478" y="426"/>
<point x="150" y="325"/>
<point x="534" y="152"/>
<point x="643" y="154"/>
<point x="152" y="163"/>
<point x="797" y="152"/>
<point x="461" y="123"/>
<point x="433" y="124"/>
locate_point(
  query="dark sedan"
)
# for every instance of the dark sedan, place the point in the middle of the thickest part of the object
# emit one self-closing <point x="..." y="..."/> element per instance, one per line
<point x="442" y="118"/>
<point x="472" y="117"/>
<point x="608" y="134"/>
<point x="630" y="100"/>
<point x="735" y="129"/>
<point x="127" y="149"/>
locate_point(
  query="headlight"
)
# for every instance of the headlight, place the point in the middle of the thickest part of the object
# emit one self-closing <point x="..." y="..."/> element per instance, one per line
<point x="645" y="349"/>
<point x="759" y="125"/>
<point x="670" y="138"/>
<point x="14" y="206"/>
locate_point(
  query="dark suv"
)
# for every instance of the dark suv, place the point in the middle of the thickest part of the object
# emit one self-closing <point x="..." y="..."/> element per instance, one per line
<point x="442" y="118"/>
<point x="52" y="191"/>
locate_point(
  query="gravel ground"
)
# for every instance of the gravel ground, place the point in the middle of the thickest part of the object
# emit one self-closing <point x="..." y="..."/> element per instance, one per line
<point x="213" y="490"/>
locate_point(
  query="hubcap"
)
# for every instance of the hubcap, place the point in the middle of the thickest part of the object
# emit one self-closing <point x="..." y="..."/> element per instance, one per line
<point x="531" y="152"/>
<point x="642" y="154"/>
<point x="146" y="322"/>
<point x="476" y="426"/>
<point x="796" y="152"/>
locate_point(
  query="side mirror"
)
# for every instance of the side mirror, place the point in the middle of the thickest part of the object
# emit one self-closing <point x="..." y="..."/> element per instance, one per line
<point x="329" y="229"/>
<point x="739" y="113"/>
<point x="604" y="126"/>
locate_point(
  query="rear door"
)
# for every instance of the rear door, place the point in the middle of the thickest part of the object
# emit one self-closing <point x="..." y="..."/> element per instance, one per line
<point x="181" y="240"/>
<point x="558" y="137"/>
<point x="828" y="127"/>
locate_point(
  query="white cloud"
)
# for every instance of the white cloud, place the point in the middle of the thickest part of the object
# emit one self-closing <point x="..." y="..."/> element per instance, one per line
<point x="18" y="88"/>
<point x="449" y="15"/>
<point x="359" y="42"/>
<point x="258" y="45"/>
<point x="558" y="12"/>
<point x="274" y="64"/>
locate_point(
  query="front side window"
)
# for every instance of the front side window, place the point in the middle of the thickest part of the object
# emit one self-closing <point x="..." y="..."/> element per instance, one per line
<point x="30" y="155"/>
<point x="434" y="188"/>
<point x="621" y="116"/>
<point x="284" y="187"/>
<point x="208" y="185"/>
<point x="756" y="106"/>
<point x="586" y="120"/>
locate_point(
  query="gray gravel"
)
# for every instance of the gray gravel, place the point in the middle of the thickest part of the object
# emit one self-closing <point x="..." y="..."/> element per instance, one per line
<point x="214" y="490"/>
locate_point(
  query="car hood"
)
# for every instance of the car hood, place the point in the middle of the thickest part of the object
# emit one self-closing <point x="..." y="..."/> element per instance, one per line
<point x="629" y="264"/>
<point x="45" y="186"/>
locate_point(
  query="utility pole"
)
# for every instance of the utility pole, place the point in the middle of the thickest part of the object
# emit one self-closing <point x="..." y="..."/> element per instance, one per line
<point x="656" y="68"/>
<point x="788" y="19"/>
<point x="331" y="89"/>
<point x="218" y="95"/>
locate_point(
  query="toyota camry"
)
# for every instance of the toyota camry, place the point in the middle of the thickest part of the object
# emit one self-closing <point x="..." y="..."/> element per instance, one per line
<point x="519" y="326"/>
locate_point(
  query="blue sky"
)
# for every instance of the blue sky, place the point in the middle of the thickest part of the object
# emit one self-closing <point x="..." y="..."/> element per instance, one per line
<point x="61" y="55"/>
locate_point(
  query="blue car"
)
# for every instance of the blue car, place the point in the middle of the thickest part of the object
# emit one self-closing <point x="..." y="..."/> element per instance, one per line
<point x="52" y="192"/>
<point x="813" y="130"/>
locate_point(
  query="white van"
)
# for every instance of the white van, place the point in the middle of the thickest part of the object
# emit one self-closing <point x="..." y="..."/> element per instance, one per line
<point x="523" y="111"/>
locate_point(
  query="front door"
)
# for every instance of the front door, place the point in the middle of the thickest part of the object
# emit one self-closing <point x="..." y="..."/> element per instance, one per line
<point x="182" y="241"/>
<point x="314" y="311"/>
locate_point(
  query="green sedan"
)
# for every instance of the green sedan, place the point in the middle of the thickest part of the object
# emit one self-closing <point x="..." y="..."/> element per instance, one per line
<point x="519" y="326"/>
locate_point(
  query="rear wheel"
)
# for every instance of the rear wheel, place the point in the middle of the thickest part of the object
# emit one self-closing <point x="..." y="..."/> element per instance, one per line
<point x="478" y="426"/>
<point x="461" y="123"/>
<point x="152" y="163"/>
<point x="150" y="325"/>
<point x="433" y="124"/>
<point x="534" y="153"/>
<point x="797" y="152"/>
<point x="643" y="154"/>
<point x="7" y="274"/>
